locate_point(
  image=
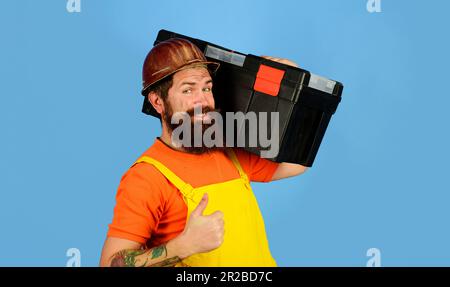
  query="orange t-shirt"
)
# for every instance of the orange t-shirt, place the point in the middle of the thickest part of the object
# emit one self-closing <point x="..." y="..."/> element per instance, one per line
<point x="151" y="211"/>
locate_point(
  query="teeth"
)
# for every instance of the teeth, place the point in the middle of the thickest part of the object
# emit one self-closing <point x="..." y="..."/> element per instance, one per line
<point x="202" y="116"/>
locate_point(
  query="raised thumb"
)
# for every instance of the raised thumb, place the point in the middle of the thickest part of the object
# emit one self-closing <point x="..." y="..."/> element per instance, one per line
<point x="201" y="206"/>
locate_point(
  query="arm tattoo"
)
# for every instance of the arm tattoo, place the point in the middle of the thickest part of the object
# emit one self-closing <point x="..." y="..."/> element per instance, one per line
<point x="127" y="257"/>
<point x="157" y="251"/>
<point x="167" y="263"/>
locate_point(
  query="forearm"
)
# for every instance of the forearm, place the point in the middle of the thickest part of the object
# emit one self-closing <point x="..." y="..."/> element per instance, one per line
<point x="165" y="255"/>
<point x="285" y="170"/>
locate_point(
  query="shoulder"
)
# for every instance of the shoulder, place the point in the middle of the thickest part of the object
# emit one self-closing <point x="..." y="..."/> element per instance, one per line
<point x="143" y="181"/>
<point x="259" y="169"/>
<point x="246" y="158"/>
<point x="144" y="174"/>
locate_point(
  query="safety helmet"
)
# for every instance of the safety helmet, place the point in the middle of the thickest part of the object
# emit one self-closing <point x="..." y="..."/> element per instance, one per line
<point x="165" y="59"/>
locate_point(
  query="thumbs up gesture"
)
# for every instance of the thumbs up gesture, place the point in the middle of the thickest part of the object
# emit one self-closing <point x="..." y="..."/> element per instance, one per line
<point x="203" y="233"/>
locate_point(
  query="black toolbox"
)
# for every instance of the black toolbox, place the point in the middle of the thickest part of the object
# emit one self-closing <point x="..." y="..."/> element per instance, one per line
<point x="248" y="83"/>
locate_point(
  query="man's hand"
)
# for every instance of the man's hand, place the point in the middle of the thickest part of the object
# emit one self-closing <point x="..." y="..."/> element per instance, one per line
<point x="281" y="60"/>
<point x="202" y="233"/>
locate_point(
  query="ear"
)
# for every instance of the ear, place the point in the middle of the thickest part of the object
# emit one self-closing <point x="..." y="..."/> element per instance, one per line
<point x="156" y="102"/>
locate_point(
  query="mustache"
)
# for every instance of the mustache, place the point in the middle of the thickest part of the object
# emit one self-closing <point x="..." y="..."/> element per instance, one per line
<point x="205" y="110"/>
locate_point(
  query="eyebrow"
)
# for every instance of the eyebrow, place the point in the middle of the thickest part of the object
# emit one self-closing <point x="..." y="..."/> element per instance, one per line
<point x="194" y="83"/>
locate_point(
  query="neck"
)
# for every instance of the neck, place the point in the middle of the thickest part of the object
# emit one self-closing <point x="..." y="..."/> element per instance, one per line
<point x="166" y="137"/>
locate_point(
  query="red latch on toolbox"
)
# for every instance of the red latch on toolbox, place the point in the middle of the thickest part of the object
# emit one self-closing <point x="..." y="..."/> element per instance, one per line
<point x="268" y="80"/>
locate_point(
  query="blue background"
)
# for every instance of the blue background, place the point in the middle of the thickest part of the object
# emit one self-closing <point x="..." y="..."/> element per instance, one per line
<point x="71" y="123"/>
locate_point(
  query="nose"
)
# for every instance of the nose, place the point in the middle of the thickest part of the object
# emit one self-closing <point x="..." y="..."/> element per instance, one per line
<point x="201" y="99"/>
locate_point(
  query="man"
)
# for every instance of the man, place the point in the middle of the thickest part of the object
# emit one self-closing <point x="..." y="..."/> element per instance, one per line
<point x="173" y="204"/>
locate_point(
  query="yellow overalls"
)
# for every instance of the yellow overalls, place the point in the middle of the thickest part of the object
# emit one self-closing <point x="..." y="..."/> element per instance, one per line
<point x="245" y="242"/>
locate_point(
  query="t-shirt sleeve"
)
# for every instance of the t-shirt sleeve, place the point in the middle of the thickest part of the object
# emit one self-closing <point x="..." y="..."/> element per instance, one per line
<point x="258" y="169"/>
<point x="139" y="204"/>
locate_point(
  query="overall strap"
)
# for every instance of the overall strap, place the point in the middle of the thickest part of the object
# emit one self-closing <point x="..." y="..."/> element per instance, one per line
<point x="236" y="163"/>
<point x="185" y="188"/>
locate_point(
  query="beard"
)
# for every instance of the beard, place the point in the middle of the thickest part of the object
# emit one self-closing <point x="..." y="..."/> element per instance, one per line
<point x="194" y="147"/>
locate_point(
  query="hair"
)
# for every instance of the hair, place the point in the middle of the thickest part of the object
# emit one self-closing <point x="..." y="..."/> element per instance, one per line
<point x="162" y="87"/>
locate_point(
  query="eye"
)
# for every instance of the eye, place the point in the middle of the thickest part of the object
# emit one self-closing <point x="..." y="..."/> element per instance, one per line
<point x="187" y="91"/>
<point x="207" y="90"/>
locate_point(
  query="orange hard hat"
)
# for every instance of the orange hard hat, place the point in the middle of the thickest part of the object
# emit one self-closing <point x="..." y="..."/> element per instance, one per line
<point x="165" y="59"/>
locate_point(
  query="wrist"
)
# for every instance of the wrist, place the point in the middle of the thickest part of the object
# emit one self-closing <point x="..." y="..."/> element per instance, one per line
<point x="178" y="247"/>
